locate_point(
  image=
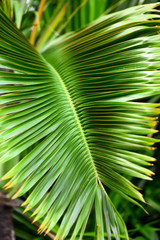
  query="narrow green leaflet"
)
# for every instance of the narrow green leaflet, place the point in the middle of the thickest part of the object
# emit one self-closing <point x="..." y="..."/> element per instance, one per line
<point x="76" y="108"/>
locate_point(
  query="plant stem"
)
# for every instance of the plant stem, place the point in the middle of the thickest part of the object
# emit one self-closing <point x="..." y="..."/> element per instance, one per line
<point x="38" y="18"/>
<point x="52" y="26"/>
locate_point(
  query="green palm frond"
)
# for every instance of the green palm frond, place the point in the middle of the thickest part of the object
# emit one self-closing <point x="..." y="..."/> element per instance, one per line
<point x="25" y="229"/>
<point x="75" y="106"/>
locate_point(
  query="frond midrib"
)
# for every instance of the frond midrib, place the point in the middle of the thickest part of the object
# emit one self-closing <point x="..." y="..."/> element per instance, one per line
<point x="53" y="71"/>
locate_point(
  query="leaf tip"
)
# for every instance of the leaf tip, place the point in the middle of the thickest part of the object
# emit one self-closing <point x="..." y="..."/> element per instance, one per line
<point x="14" y="196"/>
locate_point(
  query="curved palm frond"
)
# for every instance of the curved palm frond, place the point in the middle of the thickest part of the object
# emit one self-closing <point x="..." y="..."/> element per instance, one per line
<point x="76" y="106"/>
<point x="25" y="229"/>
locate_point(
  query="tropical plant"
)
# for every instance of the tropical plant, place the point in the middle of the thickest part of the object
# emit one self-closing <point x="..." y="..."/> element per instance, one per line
<point x="73" y="119"/>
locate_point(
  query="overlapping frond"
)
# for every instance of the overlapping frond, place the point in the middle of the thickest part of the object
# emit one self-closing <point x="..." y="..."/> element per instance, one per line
<point x="76" y="107"/>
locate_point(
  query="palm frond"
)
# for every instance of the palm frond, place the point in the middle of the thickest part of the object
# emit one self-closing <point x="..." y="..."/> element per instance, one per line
<point x="25" y="229"/>
<point x="77" y="102"/>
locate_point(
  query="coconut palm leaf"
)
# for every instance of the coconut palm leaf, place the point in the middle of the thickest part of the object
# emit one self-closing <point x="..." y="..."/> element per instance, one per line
<point x="75" y="107"/>
<point x="25" y="229"/>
